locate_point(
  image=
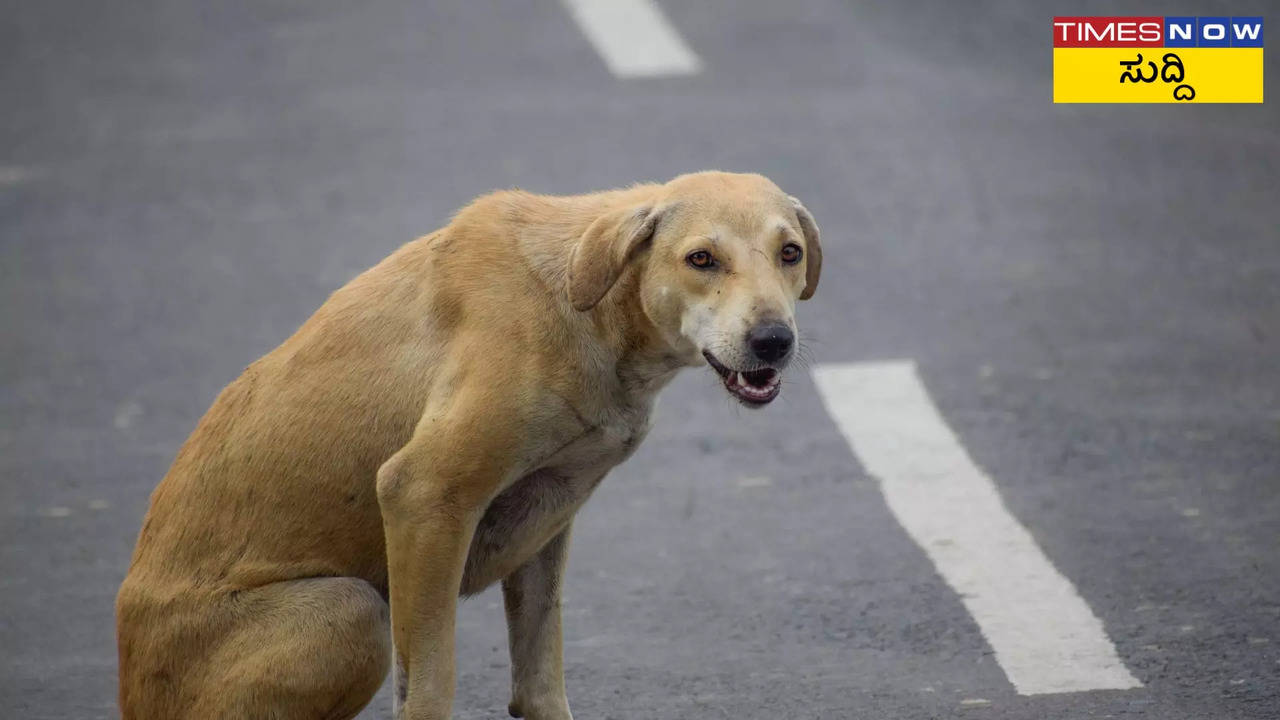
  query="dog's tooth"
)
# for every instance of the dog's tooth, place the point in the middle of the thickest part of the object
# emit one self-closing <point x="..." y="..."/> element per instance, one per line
<point x="741" y="380"/>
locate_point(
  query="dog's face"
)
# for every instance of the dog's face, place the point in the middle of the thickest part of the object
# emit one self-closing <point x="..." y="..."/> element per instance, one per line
<point x="723" y="259"/>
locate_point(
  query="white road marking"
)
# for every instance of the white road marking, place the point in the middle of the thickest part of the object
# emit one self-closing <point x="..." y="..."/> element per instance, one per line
<point x="634" y="38"/>
<point x="1045" y="637"/>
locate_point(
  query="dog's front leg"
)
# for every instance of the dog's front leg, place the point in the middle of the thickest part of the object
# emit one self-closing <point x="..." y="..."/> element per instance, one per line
<point x="432" y="493"/>
<point x="532" y="598"/>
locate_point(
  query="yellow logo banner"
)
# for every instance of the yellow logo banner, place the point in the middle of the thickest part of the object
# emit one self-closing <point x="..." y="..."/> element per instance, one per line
<point x="1157" y="75"/>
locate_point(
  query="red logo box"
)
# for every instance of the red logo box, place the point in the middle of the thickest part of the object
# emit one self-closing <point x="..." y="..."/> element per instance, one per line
<point x="1115" y="31"/>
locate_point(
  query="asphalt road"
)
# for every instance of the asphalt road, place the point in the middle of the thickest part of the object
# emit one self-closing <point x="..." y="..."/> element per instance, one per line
<point x="1091" y="294"/>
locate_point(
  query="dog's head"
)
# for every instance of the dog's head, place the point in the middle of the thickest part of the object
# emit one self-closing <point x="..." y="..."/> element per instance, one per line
<point x="721" y="259"/>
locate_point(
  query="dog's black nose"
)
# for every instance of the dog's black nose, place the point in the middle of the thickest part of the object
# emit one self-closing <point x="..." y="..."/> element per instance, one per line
<point x="771" y="342"/>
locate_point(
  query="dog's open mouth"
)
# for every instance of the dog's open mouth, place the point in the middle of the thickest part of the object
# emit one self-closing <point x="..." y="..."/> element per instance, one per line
<point x="752" y="387"/>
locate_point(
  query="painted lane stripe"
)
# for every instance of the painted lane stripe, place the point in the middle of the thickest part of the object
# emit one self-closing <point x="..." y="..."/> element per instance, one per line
<point x="1045" y="637"/>
<point x="634" y="38"/>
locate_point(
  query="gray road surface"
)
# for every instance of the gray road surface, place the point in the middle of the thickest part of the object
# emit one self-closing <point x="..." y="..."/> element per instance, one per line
<point x="1092" y="295"/>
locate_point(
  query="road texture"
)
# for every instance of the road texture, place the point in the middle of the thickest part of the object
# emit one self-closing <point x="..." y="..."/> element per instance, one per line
<point x="1091" y="295"/>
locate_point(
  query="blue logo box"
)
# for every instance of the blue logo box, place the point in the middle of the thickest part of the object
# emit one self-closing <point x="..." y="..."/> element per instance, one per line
<point x="1213" y="31"/>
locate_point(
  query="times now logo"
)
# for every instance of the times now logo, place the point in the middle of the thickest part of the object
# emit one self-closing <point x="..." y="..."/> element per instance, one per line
<point x="1156" y="31"/>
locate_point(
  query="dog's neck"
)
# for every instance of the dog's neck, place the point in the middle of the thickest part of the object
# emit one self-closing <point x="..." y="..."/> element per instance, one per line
<point x="625" y="347"/>
<point x="625" y="354"/>
<point x="644" y="361"/>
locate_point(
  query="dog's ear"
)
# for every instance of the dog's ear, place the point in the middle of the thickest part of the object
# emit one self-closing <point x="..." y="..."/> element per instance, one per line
<point x="812" y="251"/>
<point x="604" y="250"/>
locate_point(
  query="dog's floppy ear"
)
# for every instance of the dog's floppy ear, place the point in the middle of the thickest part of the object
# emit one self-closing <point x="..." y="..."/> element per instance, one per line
<point x="604" y="250"/>
<point x="812" y="251"/>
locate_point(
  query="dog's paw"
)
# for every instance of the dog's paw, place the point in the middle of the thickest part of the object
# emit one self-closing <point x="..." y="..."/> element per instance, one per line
<point x="557" y="709"/>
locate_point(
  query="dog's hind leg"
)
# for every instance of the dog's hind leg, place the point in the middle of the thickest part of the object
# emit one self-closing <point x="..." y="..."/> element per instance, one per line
<point x="316" y="648"/>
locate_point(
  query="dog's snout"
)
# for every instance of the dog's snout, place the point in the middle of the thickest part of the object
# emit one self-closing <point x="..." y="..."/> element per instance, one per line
<point x="771" y="342"/>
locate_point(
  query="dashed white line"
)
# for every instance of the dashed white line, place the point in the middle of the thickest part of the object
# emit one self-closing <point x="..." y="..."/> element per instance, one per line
<point x="634" y="37"/>
<point x="1045" y="637"/>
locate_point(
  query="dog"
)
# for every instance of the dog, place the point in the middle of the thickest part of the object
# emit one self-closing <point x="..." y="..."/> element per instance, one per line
<point x="431" y="430"/>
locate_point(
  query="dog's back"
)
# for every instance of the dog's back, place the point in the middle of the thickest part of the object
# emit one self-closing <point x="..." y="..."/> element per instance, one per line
<point x="275" y="483"/>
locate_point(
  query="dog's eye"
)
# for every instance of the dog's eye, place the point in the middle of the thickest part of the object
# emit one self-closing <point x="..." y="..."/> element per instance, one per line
<point x="791" y="253"/>
<point x="700" y="259"/>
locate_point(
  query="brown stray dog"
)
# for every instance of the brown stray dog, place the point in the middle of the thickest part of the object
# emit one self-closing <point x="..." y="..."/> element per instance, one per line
<point x="431" y="430"/>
